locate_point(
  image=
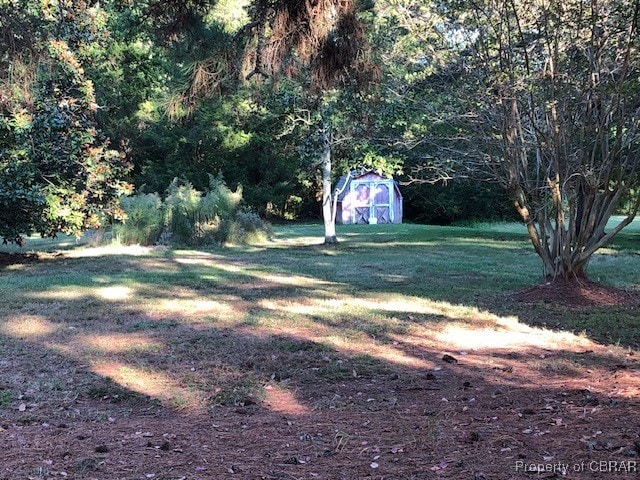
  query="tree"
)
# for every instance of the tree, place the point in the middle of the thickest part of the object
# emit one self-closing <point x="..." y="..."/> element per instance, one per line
<point x="57" y="172"/>
<point x="552" y="96"/>
<point x="322" y="44"/>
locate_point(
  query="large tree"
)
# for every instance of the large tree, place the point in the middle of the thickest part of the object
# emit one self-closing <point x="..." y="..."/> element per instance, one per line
<point x="335" y="133"/>
<point x="551" y="94"/>
<point x="57" y="172"/>
<point x="321" y="44"/>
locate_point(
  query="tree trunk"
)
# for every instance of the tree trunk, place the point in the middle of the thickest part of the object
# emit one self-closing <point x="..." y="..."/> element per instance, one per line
<point x="327" y="200"/>
<point x="565" y="249"/>
<point x="556" y="101"/>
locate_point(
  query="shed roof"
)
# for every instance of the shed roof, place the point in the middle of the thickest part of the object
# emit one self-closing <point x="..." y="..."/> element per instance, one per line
<point x="345" y="180"/>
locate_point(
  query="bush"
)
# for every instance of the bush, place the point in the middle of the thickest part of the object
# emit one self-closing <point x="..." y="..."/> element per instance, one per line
<point x="187" y="217"/>
<point x="144" y="220"/>
<point x="183" y="216"/>
<point x="220" y="200"/>
<point x="247" y="228"/>
<point x="458" y="202"/>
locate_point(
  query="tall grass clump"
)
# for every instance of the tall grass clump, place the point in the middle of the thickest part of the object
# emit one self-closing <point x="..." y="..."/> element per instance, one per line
<point x="221" y="201"/>
<point x="144" y="220"/>
<point x="184" y="219"/>
<point x="192" y="218"/>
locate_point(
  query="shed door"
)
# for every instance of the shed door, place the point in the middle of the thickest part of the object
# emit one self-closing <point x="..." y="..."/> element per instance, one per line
<point x="372" y="202"/>
<point x="362" y="211"/>
<point x="381" y="204"/>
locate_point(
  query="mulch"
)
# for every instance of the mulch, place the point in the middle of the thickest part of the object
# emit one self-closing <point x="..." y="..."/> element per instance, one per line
<point x="477" y="415"/>
<point x="577" y="293"/>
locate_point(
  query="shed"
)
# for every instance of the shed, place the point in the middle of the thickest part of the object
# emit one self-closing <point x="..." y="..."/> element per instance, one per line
<point x="367" y="197"/>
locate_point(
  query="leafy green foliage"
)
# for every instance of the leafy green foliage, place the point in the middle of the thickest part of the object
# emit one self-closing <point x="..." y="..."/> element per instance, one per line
<point x="550" y="96"/>
<point x="457" y="201"/>
<point x="146" y="59"/>
<point x="190" y="217"/>
<point x="57" y="171"/>
<point x="20" y="199"/>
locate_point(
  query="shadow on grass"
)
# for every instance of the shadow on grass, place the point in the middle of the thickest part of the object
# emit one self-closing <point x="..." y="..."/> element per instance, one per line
<point x="332" y="400"/>
<point x="296" y="363"/>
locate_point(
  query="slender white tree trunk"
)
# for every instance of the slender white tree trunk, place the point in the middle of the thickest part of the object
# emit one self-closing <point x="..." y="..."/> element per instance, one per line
<point x="328" y="209"/>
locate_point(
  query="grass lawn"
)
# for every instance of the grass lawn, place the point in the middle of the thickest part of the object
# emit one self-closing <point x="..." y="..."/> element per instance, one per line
<point x="395" y="354"/>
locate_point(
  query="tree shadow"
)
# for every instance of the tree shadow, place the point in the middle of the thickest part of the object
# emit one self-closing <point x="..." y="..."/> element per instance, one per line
<point x="200" y="364"/>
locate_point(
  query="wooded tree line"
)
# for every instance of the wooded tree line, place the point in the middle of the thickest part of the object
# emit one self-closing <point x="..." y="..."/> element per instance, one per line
<point x="478" y="106"/>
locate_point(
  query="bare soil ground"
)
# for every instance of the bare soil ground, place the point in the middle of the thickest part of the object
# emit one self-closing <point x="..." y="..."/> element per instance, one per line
<point x="559" y="408"/>
<point x="578" y="293"/>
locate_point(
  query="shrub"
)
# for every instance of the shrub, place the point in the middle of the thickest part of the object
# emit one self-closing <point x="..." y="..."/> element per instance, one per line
<point x="245" y="228"/>
<point x="187" y="217"/>
<point x="144" y="220"/>
<point x="183" y="215"/>
<point x="220" y="200"/>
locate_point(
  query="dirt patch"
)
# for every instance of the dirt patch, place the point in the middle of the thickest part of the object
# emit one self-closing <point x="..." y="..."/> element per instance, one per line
<point x="493" y="414"/>
<point x="236" y="378"/>
<point x="578" y="293"/>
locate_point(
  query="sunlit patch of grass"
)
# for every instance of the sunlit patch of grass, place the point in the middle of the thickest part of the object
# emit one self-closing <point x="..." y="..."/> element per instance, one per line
<point x="35" y="243"/>
<point x="196" y="308"/>
<point x="117" y="343"/>
<point x="608" y="325"/>
<point x="195" y="329"/>
<point x="61" y="294"/>
<point x="115" y="250"/>
<point x="116" y="292"/>
<point x="147" y="381"/>
<point x="508" y="335"/>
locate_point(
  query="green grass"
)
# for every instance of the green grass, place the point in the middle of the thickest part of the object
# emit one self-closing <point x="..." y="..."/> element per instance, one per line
<point x="292" y="311"/>
<point x="35" y="243"/>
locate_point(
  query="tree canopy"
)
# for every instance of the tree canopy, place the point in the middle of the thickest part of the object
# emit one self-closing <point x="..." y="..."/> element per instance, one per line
<point x="553" y="103"/>
<point x="57" y="171"/>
